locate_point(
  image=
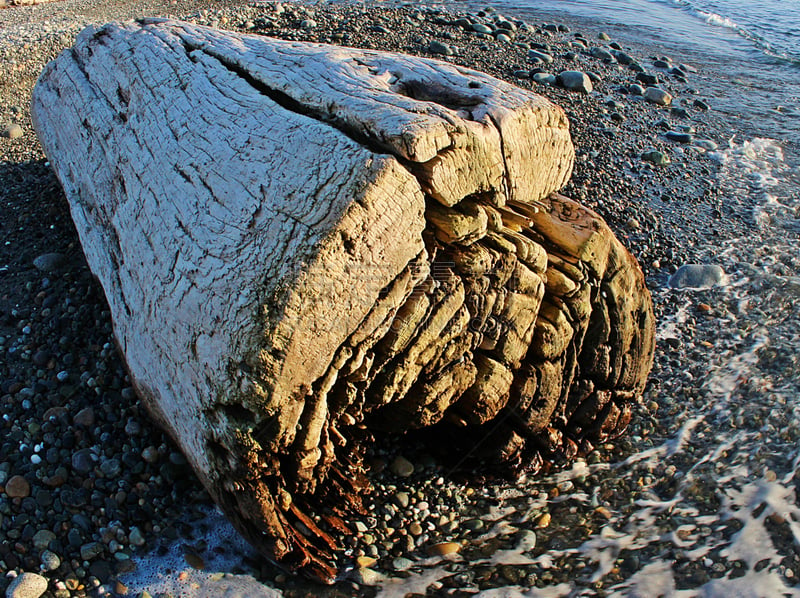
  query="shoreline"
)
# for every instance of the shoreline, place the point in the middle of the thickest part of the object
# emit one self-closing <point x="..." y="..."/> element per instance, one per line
<point x="111" y="463"/>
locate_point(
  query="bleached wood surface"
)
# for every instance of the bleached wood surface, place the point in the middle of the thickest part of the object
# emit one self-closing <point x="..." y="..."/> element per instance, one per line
<point x="295" y="238"/>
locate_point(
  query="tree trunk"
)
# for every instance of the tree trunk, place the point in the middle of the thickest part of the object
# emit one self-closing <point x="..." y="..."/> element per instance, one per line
<point x="297" y="241"/>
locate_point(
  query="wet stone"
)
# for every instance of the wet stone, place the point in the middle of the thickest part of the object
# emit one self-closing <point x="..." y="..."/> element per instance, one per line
<point x="18" y="487"/>
<point x="49" y="262"/>
<point x="698" y="276"/>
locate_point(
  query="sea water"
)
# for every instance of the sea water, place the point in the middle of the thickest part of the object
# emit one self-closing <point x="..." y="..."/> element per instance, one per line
<point x="748" y="52"/>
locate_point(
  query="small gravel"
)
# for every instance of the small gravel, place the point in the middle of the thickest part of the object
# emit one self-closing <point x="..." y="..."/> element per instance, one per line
<point x="89" y="482"/>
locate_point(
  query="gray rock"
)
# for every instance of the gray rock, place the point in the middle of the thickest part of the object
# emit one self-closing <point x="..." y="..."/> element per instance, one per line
<point x="698" y="276"/>
<point x="437" y="47"/>
<point x="506" y="24"/>
<point x="636" y="90"/>
<point x="603" y="36"/>
<point x="481" y="28"/>
<point x="402" y="563"/>
<point x="537" y="56"/>
<point x="602" y="54"/>
<point x="679" y="137"/>
<point x="49" y="262"/>
<point x="42" y="539"/>
<point x="647" y="79"/>
<point x="401" y="467"/>
<point x="706" y="144"/>
<point x="91" y="550"/>
<point x="308" y="24"/>
<point x="12" y="132"/>
<point x="402" y="499"/>
<point x="622" y="57"/>
<point x="135" y="537"/>
<point x="50" y="560"/>
<point x="575" y="81"/>
<point x="655" y="157"/>
<point x="111" y="468"/>
<point x="544" y="78"/>
<point x="522" y="74"/>
<point x="502" y="37"/>
<point x="701" y="105"/>
<point x="367" y="577"/>
<point x="661" y="64"/>
<point x="657" y="96"/>
<point x="27" y="585"/>
<point x="82" y="461"/>
<point x="526" y="540"/>
<point x="84" y="417"/>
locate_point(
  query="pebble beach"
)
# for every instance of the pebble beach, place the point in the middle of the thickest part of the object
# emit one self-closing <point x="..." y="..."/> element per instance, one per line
<point x="698" y="498"/>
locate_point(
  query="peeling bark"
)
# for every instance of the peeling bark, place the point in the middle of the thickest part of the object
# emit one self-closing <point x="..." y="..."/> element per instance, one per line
<point x="302" y="244"/>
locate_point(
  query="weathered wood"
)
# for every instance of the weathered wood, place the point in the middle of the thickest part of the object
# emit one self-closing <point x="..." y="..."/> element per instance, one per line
<point x="298" y="241"/>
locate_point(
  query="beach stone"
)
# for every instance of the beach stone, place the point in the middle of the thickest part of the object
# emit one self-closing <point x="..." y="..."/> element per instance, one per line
<point x="661" y="64"/>
<point x="27" y="585"/>
<point x="603" y="36"/>
<point x="481" y="28"/>
<point x="701" y="105"/>
<point x="367" y="577"/>
<point x="698" y="276"/>
<point x="437" y="47"/>
<point x="544" y="78"/>
<point x="18" y="487"/>
<point x="91" y="550"/>
<point x="84" y="417"/>
<point x="526" y="540"/>
<point x="602" y="54"/>
<point x="308" y="24"/>
<point x="657" y="96"/>
<point x="706" y="144"/>
<point x="401" y="499"/>
<point x="415" y="529"/>
<point x="402" y="563"/>
<point x="50" y="560"/>
<point x="42" y="539"/>
<point x="135" y="537"/>
<point x="679" y="112"/>
<point x="655" y="157"/>
<point x="537" y="56"/>
<point x="646" y="79"/>
<point x="575" y="81"/>
<point x="679" y="137"/>
<point x="443" y="548"/>
<point x="622" y="57"/>
<point x="82" y="461"/>
<point x="12" y="132"/>
<point x="502" y="37"/>
<point x="636" y="90"/>
<point x="49" y="262"/>
<point x="401" y="467"/>
<point x="111" y="468"/>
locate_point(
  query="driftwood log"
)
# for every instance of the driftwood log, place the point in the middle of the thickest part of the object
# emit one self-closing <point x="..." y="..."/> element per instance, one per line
<point x="303" y="244"/>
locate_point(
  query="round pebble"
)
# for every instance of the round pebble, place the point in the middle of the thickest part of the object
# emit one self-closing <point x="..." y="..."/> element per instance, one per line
<point x="27" y="585"/>
<point x="698" y="276"/>
<point x="18" y="487"/>
<point x="12" y="132"/>
<point x="401" y="467"/>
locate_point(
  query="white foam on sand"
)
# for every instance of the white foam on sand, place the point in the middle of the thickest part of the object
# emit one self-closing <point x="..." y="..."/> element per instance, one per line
<point x="171" y="574"/>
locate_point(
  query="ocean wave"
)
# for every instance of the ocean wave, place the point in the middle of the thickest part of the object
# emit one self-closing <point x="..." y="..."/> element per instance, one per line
<point x="718" y="20"/>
